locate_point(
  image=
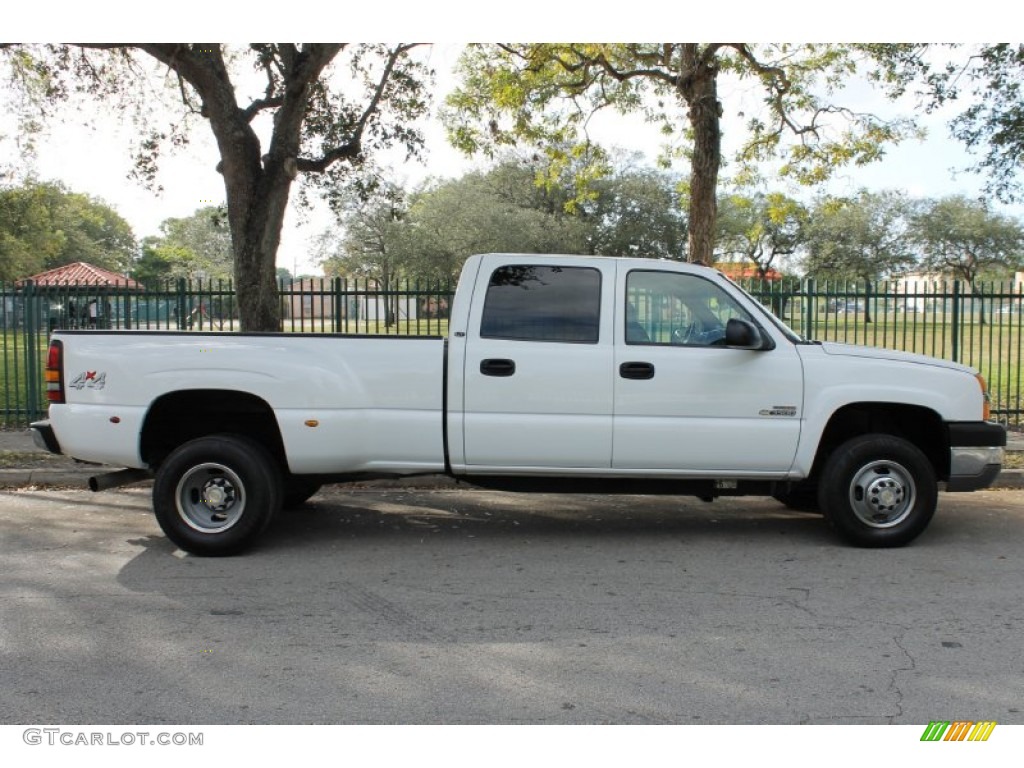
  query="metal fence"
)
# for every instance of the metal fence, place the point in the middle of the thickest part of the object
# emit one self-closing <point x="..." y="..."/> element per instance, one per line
<point x="980" y="325"/>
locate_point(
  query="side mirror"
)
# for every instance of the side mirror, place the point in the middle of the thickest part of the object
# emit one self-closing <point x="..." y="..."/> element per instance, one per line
<point x="741" y="334"/>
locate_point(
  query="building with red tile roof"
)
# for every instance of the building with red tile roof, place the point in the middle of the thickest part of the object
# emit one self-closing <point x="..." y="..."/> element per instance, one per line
<point x="735" y="270"/>
<point x="81" y="274"/>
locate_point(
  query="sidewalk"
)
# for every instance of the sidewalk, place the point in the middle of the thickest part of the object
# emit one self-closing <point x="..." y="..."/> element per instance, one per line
<point x="23" y="464"/>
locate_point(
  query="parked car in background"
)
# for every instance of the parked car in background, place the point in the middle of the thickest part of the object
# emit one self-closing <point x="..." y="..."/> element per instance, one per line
<point x="845" y="306"/>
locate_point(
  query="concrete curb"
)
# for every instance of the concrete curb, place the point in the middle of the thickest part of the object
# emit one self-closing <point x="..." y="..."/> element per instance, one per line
<point x="63" y="477"/>
<point x="77" y="477"/>
<point x="1010" y="479"/>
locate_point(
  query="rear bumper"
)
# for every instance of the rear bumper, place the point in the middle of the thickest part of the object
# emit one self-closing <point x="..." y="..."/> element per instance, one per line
<point x="975" y="455"/>
<point x="44" y="437"/>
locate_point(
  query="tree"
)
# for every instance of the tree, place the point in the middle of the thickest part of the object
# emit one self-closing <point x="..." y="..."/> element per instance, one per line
<point x="963" y="237"/>
<point x="370" y="246"/>
<point x="992" y="77"/>
<point x="27" y="237"/>
<point x="300" y="124"/>
<point x="761" y="228"/>
<point x="158" y="262"/>
<point x="863" y="237"/>
<point x="500" y="210"/>
<point x="44" y="225"/>
<point x="508" y="208"/>
<point x="196" y="247"/>
<point x="636" y="212"/>
<point x="546" y="93"/>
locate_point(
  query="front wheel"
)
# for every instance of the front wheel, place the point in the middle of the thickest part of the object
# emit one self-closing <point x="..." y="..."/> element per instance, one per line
<point x="215" y="495"/>
<point x="878" y="490"/>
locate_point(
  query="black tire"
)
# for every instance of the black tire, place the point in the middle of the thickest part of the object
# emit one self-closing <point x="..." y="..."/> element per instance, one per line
<point x="215" y="495"/>
<point x="800" y="497"/>
<point x="878" y="490"/>
<point x="298" y="490"/>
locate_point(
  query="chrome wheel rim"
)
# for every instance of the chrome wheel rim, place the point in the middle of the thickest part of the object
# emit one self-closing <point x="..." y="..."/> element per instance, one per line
<point x="210" y="498"/>
<point x="882" y="494"/>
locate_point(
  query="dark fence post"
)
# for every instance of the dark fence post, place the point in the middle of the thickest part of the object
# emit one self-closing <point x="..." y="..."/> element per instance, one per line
<point x="32" y="376"/>
<point x="808" y="330"/>
<point x="956" y="320"/>
<point x="181" y="304"/>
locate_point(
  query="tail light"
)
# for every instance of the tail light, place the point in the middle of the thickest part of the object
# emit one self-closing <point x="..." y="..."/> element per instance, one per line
<point x="55" y="372"/>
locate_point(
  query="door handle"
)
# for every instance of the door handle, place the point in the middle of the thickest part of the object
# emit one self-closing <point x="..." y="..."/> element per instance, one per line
<point x="636" y="370"/>
<point x="497" y="367"/>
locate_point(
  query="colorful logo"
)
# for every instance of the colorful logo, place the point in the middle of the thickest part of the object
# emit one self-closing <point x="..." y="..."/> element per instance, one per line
<point x="958" y="730"/>
<point x="89" y="379"/>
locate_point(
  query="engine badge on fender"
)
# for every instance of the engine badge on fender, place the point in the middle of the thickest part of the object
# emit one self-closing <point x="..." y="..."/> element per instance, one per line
<point x="779" y="410"/>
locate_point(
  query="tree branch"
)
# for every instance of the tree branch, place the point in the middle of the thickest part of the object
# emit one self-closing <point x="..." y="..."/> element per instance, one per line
<point x="778" y="82"/>
<point x="259" y="105"/>
<point x="352" y="148"/>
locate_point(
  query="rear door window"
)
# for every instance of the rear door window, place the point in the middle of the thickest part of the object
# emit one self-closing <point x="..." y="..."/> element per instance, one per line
<point x="543" y="303"/>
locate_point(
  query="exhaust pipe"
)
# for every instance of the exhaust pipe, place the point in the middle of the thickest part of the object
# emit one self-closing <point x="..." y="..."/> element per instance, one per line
<point x="121" y="477"/>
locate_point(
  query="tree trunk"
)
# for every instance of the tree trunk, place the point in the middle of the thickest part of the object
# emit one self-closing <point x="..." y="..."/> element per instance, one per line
<point x="387" y="299"/>
<point x="256" y="252"/>
<point x="700" y="90"/>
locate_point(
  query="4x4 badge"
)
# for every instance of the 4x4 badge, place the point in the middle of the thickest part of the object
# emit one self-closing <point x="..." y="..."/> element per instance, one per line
<point x="89" y="380"/>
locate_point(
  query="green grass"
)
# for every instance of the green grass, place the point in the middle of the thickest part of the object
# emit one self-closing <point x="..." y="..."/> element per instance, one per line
<point x="14" y="378"/>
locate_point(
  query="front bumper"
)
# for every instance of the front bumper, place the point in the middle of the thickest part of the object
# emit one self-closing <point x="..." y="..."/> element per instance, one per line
<point x="44" y="437"/>
<point x="975" y="455"/>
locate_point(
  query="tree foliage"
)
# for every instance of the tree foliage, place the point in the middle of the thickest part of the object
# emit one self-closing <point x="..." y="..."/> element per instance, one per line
<point x="429" y="232"/>
<point x="502" y="210"/>
<point x="44" y="225"/>
<point x="962" y="237"/>
<point x="318" y="111"/>
<point x="371" y="244"/>
<point x="761" y="229"/>
<point x="990" y="78"/>
<point x="866" y="236"/>
<point x="636" y="211"/>
<point x="196" y="247"/>
<point x="545" y="95"/>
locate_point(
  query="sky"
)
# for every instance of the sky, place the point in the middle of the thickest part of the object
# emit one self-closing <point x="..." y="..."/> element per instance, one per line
<point x="97" y="160"/>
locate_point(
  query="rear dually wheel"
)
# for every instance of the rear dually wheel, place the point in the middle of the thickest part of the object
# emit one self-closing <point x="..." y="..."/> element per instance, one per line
<point x="215" y="495"/>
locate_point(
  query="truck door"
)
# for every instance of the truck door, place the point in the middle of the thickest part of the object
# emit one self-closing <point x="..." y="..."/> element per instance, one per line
<point x="538" y="382"/>
<point x="686" y="403"/>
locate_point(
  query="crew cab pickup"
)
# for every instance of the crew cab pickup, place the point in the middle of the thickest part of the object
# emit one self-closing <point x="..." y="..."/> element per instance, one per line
<point x="559" y="373"/>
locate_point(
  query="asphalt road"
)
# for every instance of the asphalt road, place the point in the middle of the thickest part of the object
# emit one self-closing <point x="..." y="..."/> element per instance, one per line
<point x="453" y="606"/>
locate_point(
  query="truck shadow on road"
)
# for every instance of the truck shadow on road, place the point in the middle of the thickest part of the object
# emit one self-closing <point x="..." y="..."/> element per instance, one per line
<point x="402" y="527"/>
<point x="331" y="518"/>
<point x="506" y="516"/>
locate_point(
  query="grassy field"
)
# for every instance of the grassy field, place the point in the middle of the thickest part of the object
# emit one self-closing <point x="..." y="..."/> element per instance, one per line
<point x="13" y="378"/>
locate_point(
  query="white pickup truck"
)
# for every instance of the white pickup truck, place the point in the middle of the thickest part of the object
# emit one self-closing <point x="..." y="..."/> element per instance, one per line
<point x="559" y="373"/>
